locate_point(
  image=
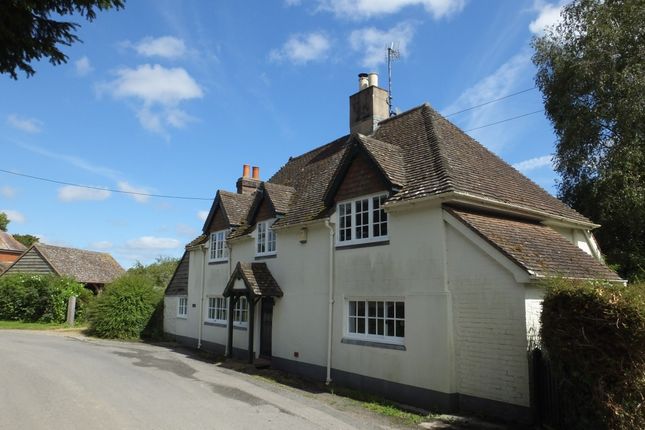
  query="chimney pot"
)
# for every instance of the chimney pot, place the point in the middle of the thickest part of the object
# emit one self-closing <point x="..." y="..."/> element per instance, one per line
<point x="256" y="172"/>
<point x="246" y="170"/>
<point x="372" y="79"/>
<point x="363" y="81"/>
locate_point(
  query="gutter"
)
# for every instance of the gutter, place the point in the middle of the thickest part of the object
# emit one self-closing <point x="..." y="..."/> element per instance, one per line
<point x="330" y="322"/>
<point x="201" y="307"/>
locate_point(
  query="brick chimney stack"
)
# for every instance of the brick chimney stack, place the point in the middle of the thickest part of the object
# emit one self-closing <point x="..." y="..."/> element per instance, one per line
<point x="368" y="106"/>
<point x="247" y="184"/>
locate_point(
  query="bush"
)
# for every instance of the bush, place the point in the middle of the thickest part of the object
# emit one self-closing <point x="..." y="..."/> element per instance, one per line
<point x="126" y="308"/>
<point x="39" y="298"/>
<point x="594" y="336"/>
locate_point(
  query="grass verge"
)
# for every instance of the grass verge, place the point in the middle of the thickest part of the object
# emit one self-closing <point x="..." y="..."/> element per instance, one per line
<point x="19" y="325"/>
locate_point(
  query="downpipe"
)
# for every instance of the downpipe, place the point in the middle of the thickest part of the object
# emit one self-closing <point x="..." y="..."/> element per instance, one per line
<point x="330" y="321"/>
<point x="201" y="307"/>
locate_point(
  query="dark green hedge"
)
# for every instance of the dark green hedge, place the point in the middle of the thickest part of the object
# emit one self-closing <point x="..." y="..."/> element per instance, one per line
<point x="40" y="298"/>
<point x="129" y="308"/>
<point x="594" y="336"/>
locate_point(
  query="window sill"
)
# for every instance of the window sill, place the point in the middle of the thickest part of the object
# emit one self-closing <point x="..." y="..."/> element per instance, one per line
<point x="265" y="256"/>
<point x="182" y="317"/>
<point x="373" y="344"/>
<point x="212" y="262"/>
<point x="224" y="325"/>
<point x="362" y="244"/>
<point x="215" y="324"/>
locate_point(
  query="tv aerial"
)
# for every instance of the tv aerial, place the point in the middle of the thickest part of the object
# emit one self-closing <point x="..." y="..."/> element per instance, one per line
<point x="393" y="54"/>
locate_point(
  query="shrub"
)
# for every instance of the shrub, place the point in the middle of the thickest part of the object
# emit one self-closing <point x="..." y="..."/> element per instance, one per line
<point x="38" y="298"/>
<point x="594" y="336"/>
<point x="125" y="308"/>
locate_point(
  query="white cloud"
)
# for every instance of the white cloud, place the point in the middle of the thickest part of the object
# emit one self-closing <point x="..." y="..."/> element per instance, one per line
<point x="70" y="193"/>
<point x="165" y="47"/>
<point x="358" y="9"/>
<point x="101" y="245"/>
<point x="303" y="48"/>
<point x="83" y="66"/>
<point x="14" y="216"/>
<point x="28" y="125"/>
<point x="505" y="80"/>
<point x="202" y="215"/>
<point x="159" y="90"/>
<point x="7" y="192"/>
<point x="548" y="16"/>
<point x="185" y="230"/>
<point x="373" y="42"/>
<point x="153" y="243"/>
<point x="534" y="163"/>
<point x="128" y="188"/>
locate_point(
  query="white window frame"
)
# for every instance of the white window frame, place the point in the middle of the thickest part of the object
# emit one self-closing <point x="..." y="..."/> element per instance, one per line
<point x="218" y="249"/>
<point x="240" y="312"/>
<point x="353" y="228"/>
<point x="366" y="317"/>
<point x="219" y="309"/>
<point x="182" y="310"/>
<point x="265" y="240"/>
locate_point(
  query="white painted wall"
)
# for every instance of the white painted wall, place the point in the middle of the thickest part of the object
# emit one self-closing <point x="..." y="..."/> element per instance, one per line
<point x="490" y="324"/>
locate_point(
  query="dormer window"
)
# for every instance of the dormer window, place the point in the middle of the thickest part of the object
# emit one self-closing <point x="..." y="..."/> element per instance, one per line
<point x="362" y="220"/>
<point x="218" y="248"/>
<point x="265" y="240"/>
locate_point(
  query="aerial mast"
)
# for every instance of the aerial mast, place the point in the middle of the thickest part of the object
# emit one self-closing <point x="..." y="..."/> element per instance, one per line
<point x="392" y="54"/>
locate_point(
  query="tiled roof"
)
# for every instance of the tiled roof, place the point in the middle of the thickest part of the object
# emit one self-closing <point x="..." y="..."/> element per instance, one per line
<point x="535" y="247"/>
<point x="388" y="157"/>
<point x="8" y="243"/>
<point x="280" y="196"/>
<point x="236" y="207"/>
<point x="258" y="280"/>
<point x="426" y="155"/>
<point x="178" y="284"/>
<point x="202" y="238"/>
<point x="84" y="266"/>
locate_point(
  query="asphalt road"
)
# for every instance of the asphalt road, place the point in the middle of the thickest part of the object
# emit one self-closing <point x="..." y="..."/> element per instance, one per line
<point x="65" y="381"/>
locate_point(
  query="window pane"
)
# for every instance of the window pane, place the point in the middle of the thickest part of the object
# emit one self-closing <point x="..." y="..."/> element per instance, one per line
<point x="400" y="310"/>
<point x="360" y="325"/>
<point x="361" y="308"/>
<point x="380" y="309"/>
<point x="371" y="326"/>
<point x="389" y="328"/>
<point x="352" y="325"/>
<point x="380" y="327"/>
<point x="390" y="309"/>
<point x="379" y="217"/>
<point x="371" y="308"/>
<point x="400" y="328"/>
<point x="352" y="308"/>
<point x="362" y="218"/>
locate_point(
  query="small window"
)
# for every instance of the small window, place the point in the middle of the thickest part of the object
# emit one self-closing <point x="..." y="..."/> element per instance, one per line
<point x="182" y="307"/>
<point x="217" y="309"/>
<point x="241" y="312"/>
<point x="266" y="239"/>
<point x="218" y="248"/>
<point x="362" y="220"/>
<point x="377" y="320"/>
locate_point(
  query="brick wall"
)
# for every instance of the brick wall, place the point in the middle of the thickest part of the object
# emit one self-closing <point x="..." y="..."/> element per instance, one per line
<point x="265" y="211"/>
<point x="362" y="178"/>
<point x="219" y="222"/>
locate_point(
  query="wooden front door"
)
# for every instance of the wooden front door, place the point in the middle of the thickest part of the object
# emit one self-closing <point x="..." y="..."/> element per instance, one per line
<point x="266" y="318"/>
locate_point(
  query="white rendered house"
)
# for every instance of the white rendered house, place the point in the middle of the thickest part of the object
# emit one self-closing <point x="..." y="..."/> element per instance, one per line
<point x="403" y="259"/>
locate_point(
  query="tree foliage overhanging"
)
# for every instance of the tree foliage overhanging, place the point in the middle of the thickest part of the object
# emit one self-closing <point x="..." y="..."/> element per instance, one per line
<point x="591" y="71"/>
<point x="28" y="32"/>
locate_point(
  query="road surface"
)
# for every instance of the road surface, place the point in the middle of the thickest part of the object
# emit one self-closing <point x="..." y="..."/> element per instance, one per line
<point x="53" y="380"/>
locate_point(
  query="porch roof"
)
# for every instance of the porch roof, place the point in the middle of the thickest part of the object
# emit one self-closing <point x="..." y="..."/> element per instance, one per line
<point x="257" y="278"/>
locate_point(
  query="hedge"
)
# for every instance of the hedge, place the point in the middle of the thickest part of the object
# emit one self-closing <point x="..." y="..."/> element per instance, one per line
<point x="594" y="336"/>
<point x="131" y="307"/>
<point x="40" y="298"/>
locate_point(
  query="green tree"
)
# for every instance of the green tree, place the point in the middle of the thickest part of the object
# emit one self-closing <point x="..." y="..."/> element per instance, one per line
<point x="26" y="239"/>
<point x="159" y="272"/>
<point x="591" y="71"/>
<point x="27" y="32"/>
<point x="4" y="221"/>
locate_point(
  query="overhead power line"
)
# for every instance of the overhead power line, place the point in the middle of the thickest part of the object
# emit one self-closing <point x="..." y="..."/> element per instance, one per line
<point x="54" y="181"/>
<point x="491" y="101"/>
<point x="505" y="120"/>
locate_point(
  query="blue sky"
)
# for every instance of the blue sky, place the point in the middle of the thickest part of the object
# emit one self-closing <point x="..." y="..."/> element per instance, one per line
<point x="172" y="98"/>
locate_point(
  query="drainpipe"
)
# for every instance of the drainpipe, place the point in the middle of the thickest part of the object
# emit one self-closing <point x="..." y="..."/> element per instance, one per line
<point x="228" y="350"/>
<point x="331" y="299"/>
<point x="201" y="307"/>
